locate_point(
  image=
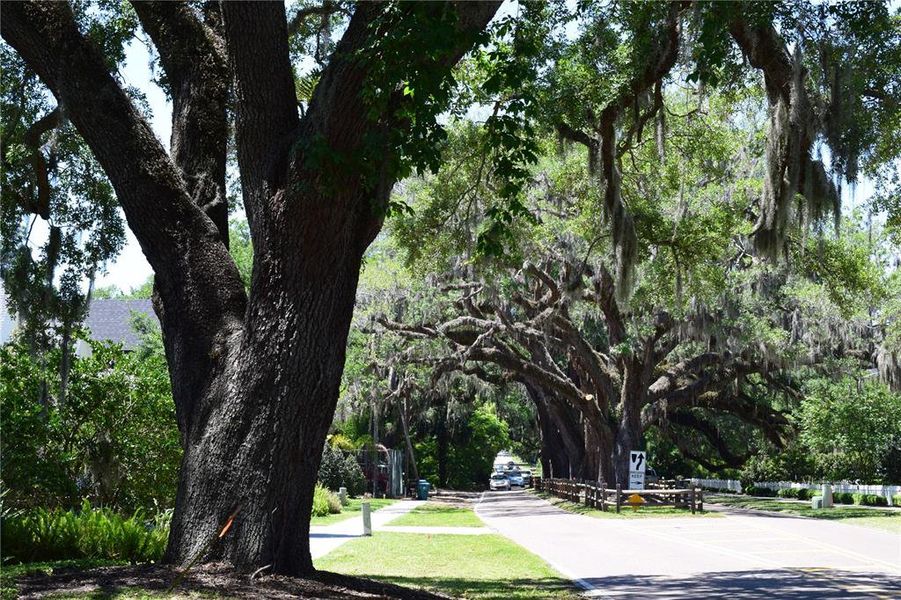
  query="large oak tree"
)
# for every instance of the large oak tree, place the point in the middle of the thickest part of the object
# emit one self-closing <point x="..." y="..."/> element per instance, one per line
<point x="255" y="375"/>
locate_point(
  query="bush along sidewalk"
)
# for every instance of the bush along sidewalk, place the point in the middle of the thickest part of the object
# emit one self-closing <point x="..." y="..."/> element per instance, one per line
<point x="798" y="493"/>
<point x="325" y="502"/>
<point x="760" y="491"/>
<point x="869" y="500"/>
<point x="837" y="497"/>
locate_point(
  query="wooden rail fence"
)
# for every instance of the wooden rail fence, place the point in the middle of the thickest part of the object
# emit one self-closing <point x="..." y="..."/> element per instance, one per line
<point x="596" y="494"/>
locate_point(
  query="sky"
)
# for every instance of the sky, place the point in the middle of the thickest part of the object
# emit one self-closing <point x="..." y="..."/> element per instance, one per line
<point x="131" y="269"/>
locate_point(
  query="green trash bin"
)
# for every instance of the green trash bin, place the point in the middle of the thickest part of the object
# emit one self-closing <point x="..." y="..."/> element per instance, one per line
<point x="422" y="490"/>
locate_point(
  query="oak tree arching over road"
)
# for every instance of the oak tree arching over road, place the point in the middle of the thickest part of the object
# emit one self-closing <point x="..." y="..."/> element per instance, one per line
<point x="255" y="375"/>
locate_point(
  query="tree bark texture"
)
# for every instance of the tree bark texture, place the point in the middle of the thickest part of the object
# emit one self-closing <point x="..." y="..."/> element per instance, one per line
<point x="255" y="377"/>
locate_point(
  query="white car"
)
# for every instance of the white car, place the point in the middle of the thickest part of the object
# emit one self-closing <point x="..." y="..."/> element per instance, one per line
<point x="498" y="481"/>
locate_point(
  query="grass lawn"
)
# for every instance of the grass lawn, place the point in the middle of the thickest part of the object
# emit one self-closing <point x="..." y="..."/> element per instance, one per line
<point x="887" y="519"/>
<point x="481" y="567"/>
<point x="354" y="509"/>
<point x="435" y="514"/>
<point x="644" y="512"/>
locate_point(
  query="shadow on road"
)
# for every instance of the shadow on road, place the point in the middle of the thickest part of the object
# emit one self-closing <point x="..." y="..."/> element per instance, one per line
<point x="776" y="583"/>
<point x="515" y="504"/>
<point x="496" y="589"/>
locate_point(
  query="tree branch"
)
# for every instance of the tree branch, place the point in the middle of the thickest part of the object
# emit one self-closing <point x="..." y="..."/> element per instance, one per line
<point x="197" y="280"/>
<point x="327" y="8"/>
<point x="32" y="140"/>
<point x="199" y="91"/>
<point x="266" y="119"/>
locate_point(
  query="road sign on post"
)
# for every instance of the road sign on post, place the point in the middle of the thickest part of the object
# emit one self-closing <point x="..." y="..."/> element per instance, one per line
<point x="636" y="480"/>
<point x="637" y="466"/>
<point x="637" y="461"/>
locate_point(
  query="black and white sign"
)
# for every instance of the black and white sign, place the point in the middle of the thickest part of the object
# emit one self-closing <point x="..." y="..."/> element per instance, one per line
<point x="636" y="480"/>
<point x="637" y="461"/>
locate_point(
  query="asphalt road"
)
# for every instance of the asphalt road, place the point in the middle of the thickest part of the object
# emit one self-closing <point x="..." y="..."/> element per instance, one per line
<point x="738" y="556"/>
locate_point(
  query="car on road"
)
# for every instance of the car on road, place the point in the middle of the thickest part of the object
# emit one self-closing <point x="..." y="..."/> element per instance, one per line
<point x="526" y="478"/>
<point x="498" y="481"/>
<point x="651" y="476"/>
<point x="515" y="477"/>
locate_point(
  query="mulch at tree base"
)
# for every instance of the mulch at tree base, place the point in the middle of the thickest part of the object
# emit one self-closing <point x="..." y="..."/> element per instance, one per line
<point x="215" y="579"/>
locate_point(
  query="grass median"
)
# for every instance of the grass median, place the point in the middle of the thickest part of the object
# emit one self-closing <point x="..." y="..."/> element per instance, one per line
<point x="433" y="514"/>
<point x="888" y="519"/>
<point x="483" y="567"/>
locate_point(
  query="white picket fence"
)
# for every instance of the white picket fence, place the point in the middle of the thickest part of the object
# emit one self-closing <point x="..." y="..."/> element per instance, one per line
<point x="886" y="491"/>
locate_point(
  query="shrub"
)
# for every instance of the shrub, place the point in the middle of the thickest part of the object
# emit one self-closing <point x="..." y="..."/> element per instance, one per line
<point x="843" y="497"/>
<point x="870" y="500"/>
<point x="324" y="502"/>
<point x="354" y="480"/>
<point x="337" y="470"/>
<point x="797" y="493"/>
<point x="755" y="490"/>
<point x="95" y="533"/>
<point x="341" y="442"/>
<point x="331" y="467"/>
<point x="114" y="440"/>
<point x="320" y="501"/>
<point x="334" y="503"/>
<point x="718" y="490"/>
<point x="896" y="500"/>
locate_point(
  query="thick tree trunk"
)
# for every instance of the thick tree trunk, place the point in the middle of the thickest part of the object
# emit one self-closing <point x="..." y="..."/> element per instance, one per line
<point x="554" y="460"/>
<point x="404" y="422"/>
<point x="442" y="439"/>
<point x="255" y="379"/>
<point x="628" y="434"/>
<point x="599" y="446"/>
<point x="255" y="447"/>
<point x="570" y="432"/>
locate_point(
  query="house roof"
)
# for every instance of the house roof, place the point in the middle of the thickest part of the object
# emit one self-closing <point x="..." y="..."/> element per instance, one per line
<point x="110" y="319"/>
<point x="7" y="320"/>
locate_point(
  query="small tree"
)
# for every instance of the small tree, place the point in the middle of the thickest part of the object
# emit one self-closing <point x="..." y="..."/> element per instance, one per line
<point x="853" y="429"/>
<point x="331" y="469"/>
<point x="352" y="473"/>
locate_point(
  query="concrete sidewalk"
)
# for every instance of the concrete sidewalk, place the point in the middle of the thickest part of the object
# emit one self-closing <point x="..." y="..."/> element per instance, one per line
<point x="739" y="556"/>
<point x="325" y="538"/>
